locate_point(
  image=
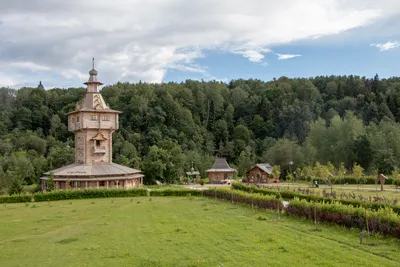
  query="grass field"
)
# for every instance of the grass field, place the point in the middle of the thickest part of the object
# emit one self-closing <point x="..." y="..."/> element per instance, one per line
<point x="164" y="231"/>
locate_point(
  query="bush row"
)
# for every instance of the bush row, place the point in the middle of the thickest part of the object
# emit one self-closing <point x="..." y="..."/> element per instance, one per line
<point x="16" y="199"/>
<point x="88" y="193"/>
<point x="350" y="180"/>
<point x="383" y="220"/>
<point x="287" y="194"/>
<point x="258" y="200"/>
<point x="98" y="193"/>
<point x="176" y="192"/>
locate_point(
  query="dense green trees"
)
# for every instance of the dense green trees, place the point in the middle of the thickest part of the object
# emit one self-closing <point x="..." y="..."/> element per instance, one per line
<point x="164" y="127"/>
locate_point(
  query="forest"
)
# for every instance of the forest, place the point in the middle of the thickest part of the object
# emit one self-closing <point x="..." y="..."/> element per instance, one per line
<point x="337" y="120"/>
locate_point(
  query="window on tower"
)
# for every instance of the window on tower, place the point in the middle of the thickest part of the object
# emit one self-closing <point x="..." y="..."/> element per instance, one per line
<point x="97" y="143"/>
<point x="77" y="118"/>
<point x="94" y="117"/>
<point x="106" y="118"/>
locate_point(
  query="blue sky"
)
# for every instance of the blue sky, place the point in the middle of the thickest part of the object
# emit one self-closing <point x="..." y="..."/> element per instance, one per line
<point x="170" y="40"/>
<point x="351" y="52"/>
<point x="316" y="59"/>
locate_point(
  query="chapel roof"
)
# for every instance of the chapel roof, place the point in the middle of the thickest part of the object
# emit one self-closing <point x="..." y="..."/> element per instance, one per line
<point x="96" y="169"/>
<point x="220" y="165"/>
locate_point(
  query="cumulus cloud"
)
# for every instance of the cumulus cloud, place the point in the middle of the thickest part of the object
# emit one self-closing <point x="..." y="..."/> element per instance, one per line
<point x="142" y="39"/>
<point x="286" y="56"/>
<point x="252" y="54"/>
<point x="387" y="46"/>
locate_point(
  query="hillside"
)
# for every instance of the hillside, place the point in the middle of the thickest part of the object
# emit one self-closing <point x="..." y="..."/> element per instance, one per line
<point x="164" y="127"/>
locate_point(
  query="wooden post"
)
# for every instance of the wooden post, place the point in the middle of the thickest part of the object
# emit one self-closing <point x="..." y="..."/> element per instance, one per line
<point x="86" y="184"/>
<point x="57" y="185"/>
<point x="107" y="183"/>
<point x="117" y="183"/>
<point x="97" y="184"/>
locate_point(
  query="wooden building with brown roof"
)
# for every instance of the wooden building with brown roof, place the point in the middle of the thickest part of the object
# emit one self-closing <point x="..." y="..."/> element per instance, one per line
<point x="260" y="174"/>
<point x="220" y="171"/>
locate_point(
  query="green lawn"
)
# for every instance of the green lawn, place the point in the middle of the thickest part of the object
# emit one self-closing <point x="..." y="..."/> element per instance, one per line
<point x="183" y="231"/>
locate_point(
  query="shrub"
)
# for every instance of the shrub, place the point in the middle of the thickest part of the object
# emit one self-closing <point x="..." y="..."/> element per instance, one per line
<point x="16" y="187"/>
<point x="88" y="193"/>
<point x="176" y="192"/>
<point x="258" y="200"/>
<point x="396" y="183"/>
<point x="396" y="231"/>
<point x="98" y="193"/>
<point x="16" y="199"/>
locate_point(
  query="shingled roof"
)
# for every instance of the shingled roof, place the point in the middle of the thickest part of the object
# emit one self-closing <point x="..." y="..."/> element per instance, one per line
<point x="265" y="167"/>
<point x="87" y="170"/>
<point x="220" y="165"/>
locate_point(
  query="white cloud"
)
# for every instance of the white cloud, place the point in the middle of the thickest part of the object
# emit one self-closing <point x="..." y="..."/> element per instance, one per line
<point x="253" y="54"/>
<point x="73" y="73"/>
<point x="141" y="39"/>
<point x="286" y="56"/>
<point x="213" y="78"/>
<point x="387" y="46"/>
<point x="29" y="66"/>
<point x="6" y="81"/>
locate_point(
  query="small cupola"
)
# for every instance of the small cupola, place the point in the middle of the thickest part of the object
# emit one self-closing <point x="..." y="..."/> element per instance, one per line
<point x="93" y="84"/>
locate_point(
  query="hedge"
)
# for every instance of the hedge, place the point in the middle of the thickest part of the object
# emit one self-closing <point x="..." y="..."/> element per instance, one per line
<point x="383" y="220"/>
<point x="350" y="180"/>
<point x="258" y="200"/>
<point x="16" y="199"/>
<point x="176" y="192"/>
<point x="98" y="193"/>
<point x="288" y="195"/>
<point x="88" y="193"/>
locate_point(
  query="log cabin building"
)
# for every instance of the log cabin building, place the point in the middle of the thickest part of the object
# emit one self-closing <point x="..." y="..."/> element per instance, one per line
<point x="260" y="174"/>
<point x="93" y="124"/>
<point x="220" y="171"/>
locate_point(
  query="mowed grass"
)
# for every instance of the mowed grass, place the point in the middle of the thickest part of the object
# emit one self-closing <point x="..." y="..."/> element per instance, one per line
<point x="167" y="231"/>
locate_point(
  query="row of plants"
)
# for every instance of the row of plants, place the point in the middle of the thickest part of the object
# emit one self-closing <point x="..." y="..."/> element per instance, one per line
<point x="236" y="196"/>
<point x="176" y="192"/>
<point x="97" y="193"/>
<point x="345" y="195"/>
<point x="384" y="220"/>
<point x="370" y="180"/>
<point x="290" y="194"/>
<point x="16" y="198"/>
<point x="88" y="193"/>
